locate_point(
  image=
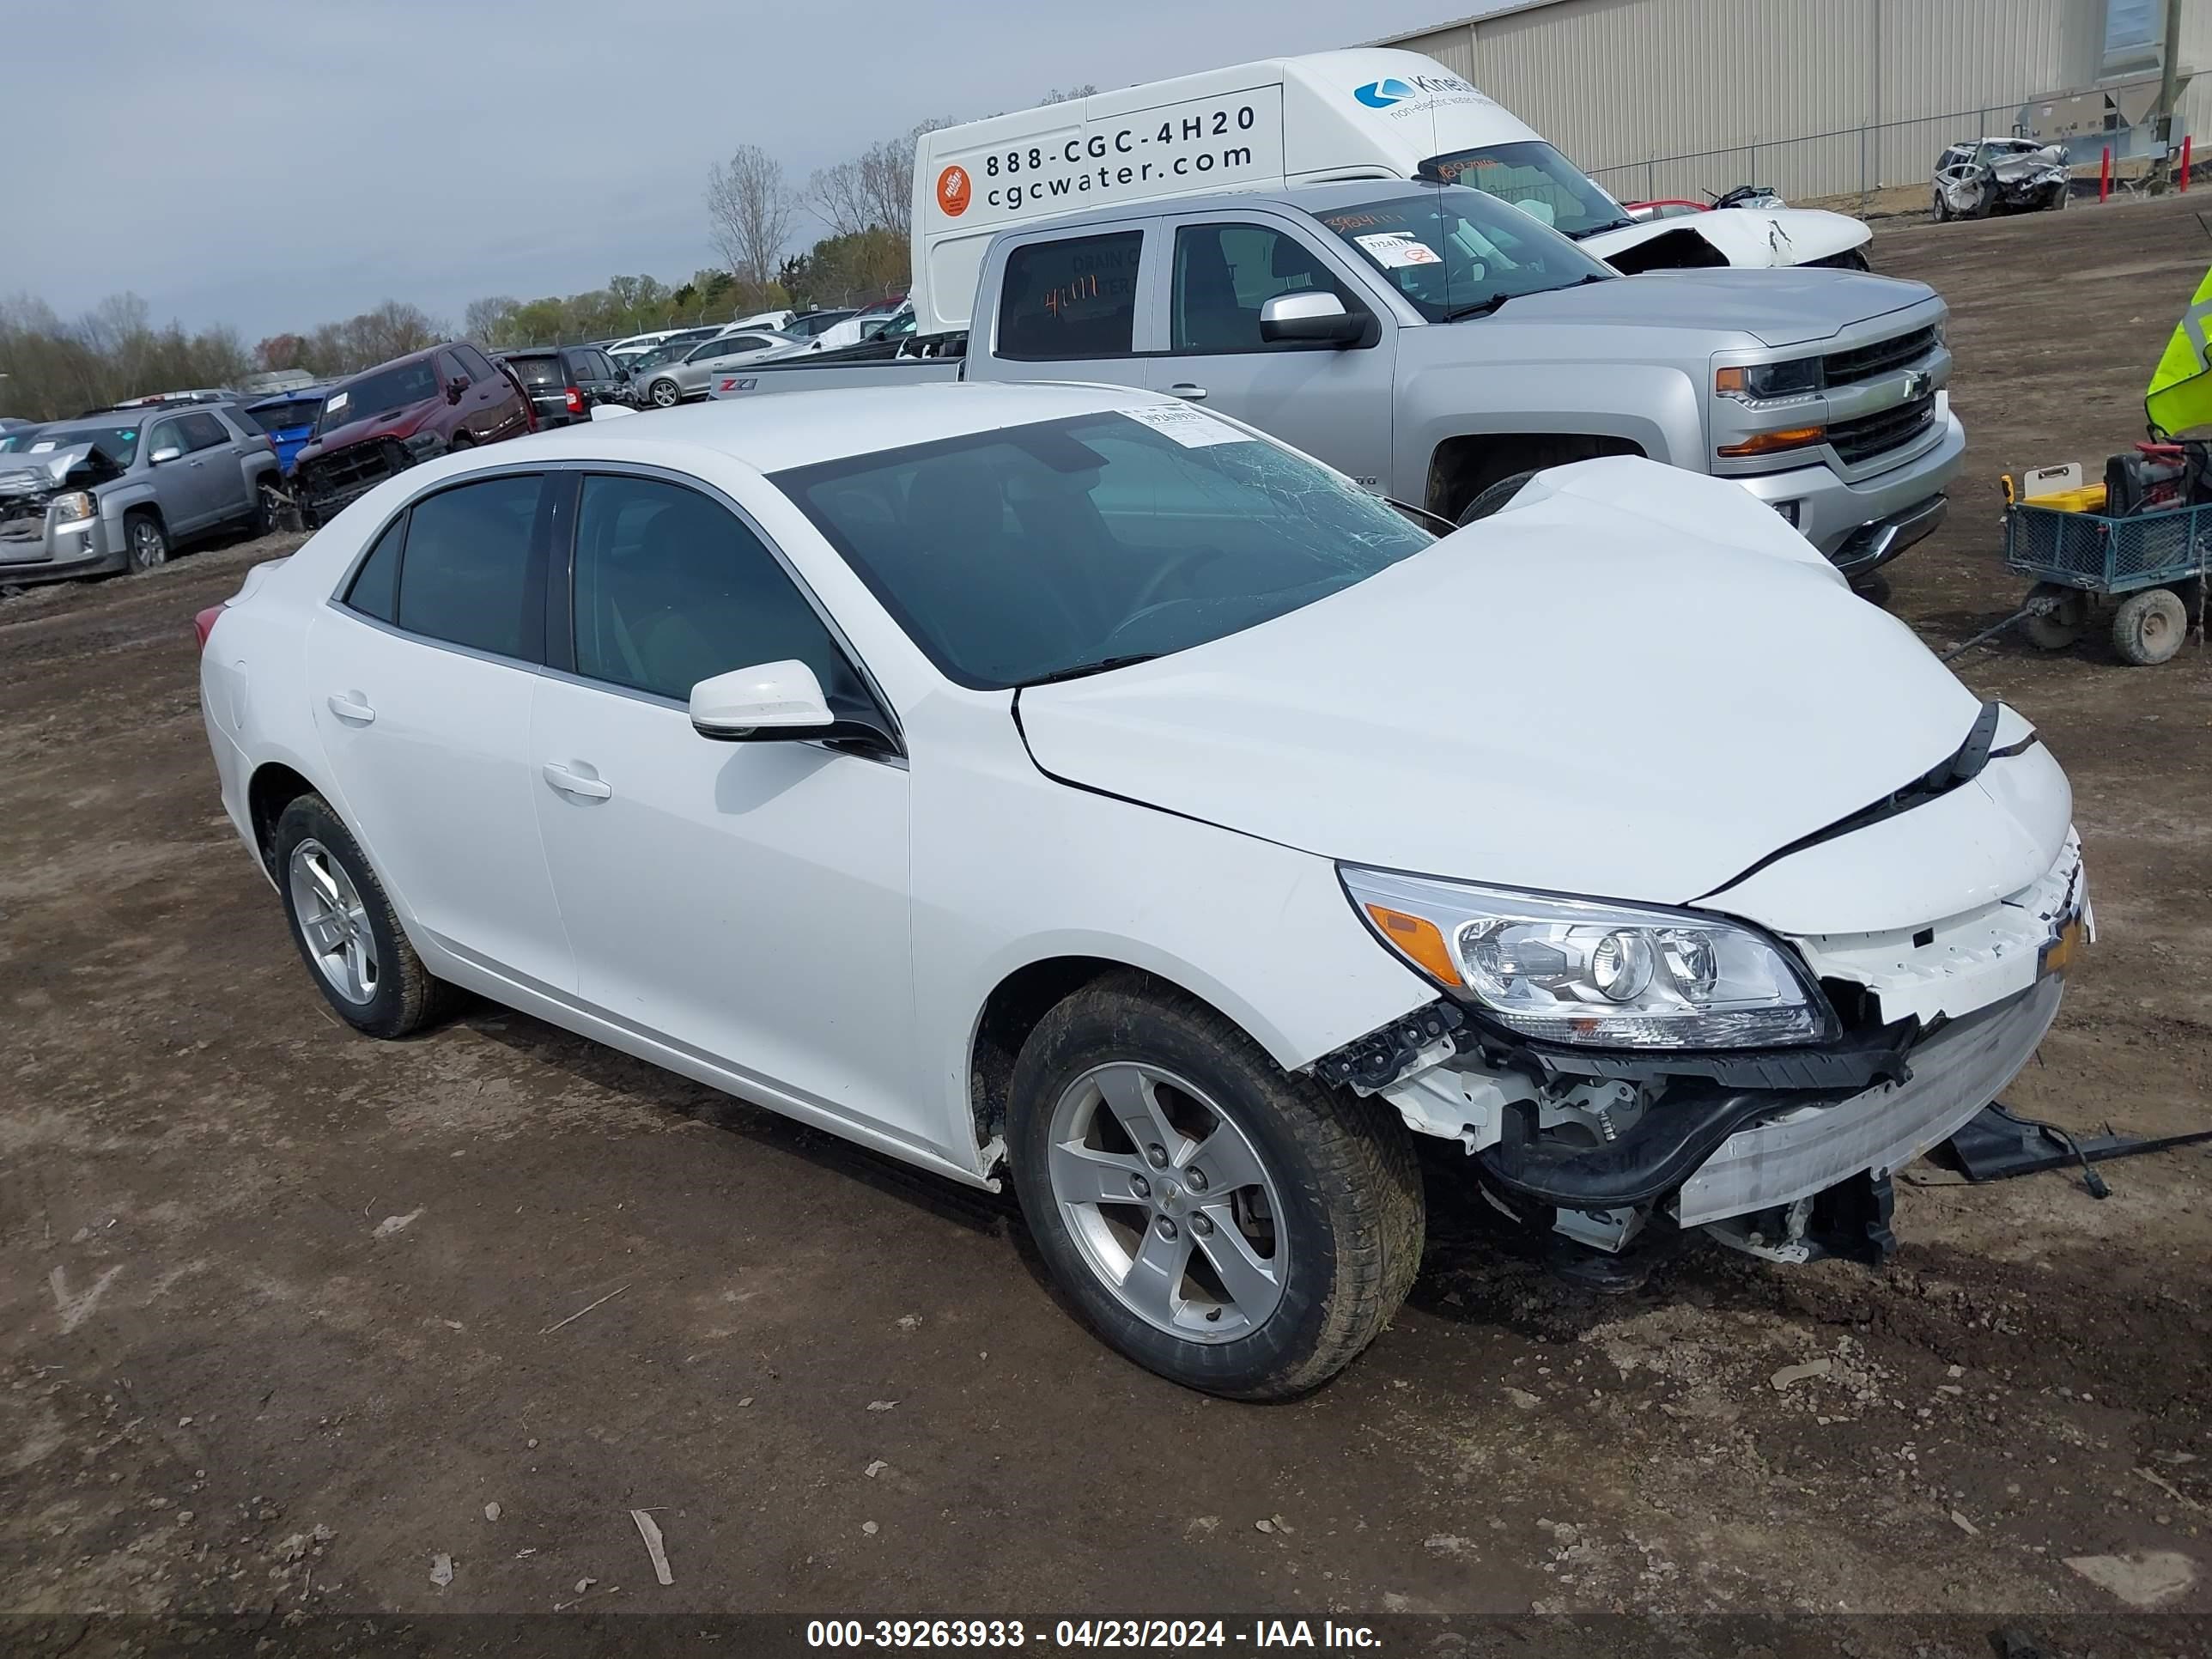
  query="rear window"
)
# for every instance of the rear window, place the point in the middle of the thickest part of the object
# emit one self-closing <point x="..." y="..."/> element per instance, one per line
<point x="1076" y="297"/>
<point x="540" y="371"/>
<point x="274" y="418"/>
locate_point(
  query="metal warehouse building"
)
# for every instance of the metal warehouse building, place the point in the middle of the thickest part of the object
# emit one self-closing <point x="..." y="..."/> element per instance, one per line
<point x="1671" y="98"/>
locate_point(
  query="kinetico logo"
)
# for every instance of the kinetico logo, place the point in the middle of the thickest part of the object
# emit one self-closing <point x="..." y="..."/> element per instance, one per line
<point x="1381" y="94"/>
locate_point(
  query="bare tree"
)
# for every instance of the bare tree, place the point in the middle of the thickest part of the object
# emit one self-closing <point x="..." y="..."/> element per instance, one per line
<point x="838" y="199"/>
<point x="749" y="211"/>
<point x="1056" y="96"/>
<point x="485" y="321"/>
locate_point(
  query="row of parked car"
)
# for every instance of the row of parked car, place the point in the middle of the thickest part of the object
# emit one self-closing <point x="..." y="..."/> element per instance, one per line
<point x="118" y="489"/>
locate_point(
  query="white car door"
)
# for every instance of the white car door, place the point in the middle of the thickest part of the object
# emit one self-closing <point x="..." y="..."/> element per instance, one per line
<point x="747" y="903"/>
<point x="421" y="671"/>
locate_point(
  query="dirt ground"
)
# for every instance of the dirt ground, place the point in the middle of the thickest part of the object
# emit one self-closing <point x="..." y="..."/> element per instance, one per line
<point x="290" y="1315"/>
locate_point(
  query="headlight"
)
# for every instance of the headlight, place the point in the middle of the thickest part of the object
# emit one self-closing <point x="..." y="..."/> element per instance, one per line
<point x="1762" y="380"/>
<point x="1583" y="971"/>
<point x="74" y="507"/>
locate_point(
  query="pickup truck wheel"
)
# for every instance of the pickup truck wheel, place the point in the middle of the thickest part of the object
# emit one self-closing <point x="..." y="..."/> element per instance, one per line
<point x="348" y="933"/>
<point x="1232" y="1228"/>
<point x="666" y="394"/>
<point x="145" y="544"/>
<point x="2149" y="627"/>
<point x="1495" y="496"/>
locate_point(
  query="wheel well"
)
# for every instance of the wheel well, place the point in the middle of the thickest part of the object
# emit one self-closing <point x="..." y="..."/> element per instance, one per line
<point x="273" y="787"/>
<point x="1014" y="1009"/>
<point x="1462" y="468"/>
<point x="146" y="510"/>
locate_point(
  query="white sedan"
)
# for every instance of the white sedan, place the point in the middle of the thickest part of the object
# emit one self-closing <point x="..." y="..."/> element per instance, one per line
<point x="1064" y="785"/>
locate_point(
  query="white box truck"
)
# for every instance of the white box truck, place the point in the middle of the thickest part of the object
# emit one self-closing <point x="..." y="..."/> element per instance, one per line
<point x="1323" y="118"/>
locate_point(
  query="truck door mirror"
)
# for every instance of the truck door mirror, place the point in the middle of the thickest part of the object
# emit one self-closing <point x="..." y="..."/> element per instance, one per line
<point x="1313" y="316"/>
<point x="455" y="389"/>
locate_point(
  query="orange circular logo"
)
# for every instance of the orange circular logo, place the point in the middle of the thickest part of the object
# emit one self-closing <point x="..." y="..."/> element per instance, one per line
<point x="952" y="192"/>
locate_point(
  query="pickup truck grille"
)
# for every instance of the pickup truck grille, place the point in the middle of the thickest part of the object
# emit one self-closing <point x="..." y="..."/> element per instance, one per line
<point x="329" y="481"/>
<point x="1870" y="435"/>
<point x="1869" y="363"/>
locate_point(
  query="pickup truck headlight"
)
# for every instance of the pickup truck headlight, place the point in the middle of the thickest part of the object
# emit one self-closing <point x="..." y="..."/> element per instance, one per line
<point x="1762" y="380"/>
<point x="74" y="507"/>
<point x="1591" y="972"/>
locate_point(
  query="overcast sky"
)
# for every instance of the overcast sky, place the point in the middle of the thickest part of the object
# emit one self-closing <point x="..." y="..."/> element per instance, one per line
<point x="276" y="165"/>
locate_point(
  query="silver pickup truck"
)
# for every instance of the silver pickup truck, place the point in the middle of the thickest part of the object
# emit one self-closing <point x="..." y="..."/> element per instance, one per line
<point x="1438" y="345"/>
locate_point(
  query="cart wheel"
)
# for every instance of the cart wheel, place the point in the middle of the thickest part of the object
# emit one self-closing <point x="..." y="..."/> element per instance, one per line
<point x="2060" y="624"/>
<point x="2149" y="627"/>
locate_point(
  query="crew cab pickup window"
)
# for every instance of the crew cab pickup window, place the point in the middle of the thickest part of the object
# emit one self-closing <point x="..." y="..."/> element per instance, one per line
<point x="1074" y="297"/>
<point x="1225" y="273"/>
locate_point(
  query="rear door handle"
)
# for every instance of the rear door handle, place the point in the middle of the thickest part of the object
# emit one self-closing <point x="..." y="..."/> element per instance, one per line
<point x="568" y="783"/>
<point x="352" y="706"/>
<point x="1189" y="393"/>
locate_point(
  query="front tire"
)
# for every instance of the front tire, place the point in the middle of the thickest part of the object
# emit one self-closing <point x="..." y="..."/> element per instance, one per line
<point x="146" y="545"/>
<point x="1488" y="501"/>
<point x="346" y="930"/>
<point x="1232" y="1228"/>
<point x="666" y="394"/>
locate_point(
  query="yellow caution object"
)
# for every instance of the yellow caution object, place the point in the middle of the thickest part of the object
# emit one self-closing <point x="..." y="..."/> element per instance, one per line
<point x="2179" y="396"/>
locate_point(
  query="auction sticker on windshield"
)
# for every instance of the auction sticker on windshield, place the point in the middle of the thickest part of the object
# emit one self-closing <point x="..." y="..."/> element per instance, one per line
<point x="1191" y="427"/>
<point x="1395" y="250"/>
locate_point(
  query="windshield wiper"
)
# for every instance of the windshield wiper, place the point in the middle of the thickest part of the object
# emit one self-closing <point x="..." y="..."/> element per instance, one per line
<point x="1479" y="308"/>
<point x="1081" y="670"/>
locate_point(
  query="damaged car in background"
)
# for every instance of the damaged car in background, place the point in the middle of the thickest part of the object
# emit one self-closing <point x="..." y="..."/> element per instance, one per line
<point x="1979" y="178"/>
<point x="388" y="418"/>
<point x="1219" y="837"/>
<point x="118" y="491"/>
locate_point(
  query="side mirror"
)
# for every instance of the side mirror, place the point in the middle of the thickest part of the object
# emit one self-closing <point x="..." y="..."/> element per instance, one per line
<point x="1313" y="316"/>
<point x="760" y="703"/>
<point x="166" y="453"/>
<point x="456" y="389"/>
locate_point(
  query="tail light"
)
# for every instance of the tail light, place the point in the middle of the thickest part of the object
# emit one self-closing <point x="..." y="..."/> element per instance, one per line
<point x="204" y="624"/>
<point x="575" y="400"/>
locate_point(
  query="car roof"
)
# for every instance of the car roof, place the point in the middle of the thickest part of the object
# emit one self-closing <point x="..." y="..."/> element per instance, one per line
<point x="800" y="428"/>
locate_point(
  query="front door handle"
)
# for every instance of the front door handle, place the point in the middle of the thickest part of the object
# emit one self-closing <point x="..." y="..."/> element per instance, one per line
<point x="1188" y="393"/>
<point x="568" y="783"/>
<point x="352" y="706"/>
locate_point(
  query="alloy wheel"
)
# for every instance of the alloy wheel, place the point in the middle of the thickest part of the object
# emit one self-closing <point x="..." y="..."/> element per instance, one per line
<point x="334" y="922"/>
<point x="1168" y="1201"/>
<point x="149" y="547"/>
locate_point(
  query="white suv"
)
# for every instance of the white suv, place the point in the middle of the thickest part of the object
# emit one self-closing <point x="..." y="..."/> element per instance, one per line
<point x="1065" y="784"/>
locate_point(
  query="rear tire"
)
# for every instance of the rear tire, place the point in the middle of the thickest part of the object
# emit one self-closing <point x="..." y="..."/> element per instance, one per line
<point x="2061" y="626"/>
<point x="1496" y="496"/>
<point x="2149" y="627"/>
<point x="146" y="545"/>
<point x="1266" y="1276"/>
<point x="346" y="930"/>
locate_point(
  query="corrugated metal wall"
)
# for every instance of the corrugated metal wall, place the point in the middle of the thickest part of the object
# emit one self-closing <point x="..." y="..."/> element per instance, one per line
<point x="1616" y="83"/>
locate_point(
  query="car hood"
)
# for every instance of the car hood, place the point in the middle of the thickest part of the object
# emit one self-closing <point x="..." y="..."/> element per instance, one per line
<point x="1633" y="683"/>
<point x="48" y="468"/>
<point x="1747" y="235"/>
<point x="1779" y="307"/>
<point x="392" y="423"/>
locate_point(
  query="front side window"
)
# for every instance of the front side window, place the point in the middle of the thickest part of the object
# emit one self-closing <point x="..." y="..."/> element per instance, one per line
<point x="166" y="434"/>
<point x="1225" y="273"/>
<point x="674" y="588"/>
<point x="1042" y="551"/>
<point x="466" y="574"/>
<point x="478" y="367"/>
<point x="1536" y="179"/>
<point x="1076" y="297"/>
<point x="1454" y="252"/>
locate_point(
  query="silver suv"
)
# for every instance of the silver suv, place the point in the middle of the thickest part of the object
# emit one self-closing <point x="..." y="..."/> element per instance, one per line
<point x="117" y="490"/>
